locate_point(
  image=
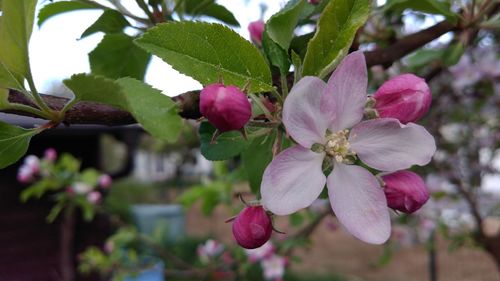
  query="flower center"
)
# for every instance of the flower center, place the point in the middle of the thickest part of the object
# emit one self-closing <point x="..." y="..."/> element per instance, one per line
<point x="338" y="147"/>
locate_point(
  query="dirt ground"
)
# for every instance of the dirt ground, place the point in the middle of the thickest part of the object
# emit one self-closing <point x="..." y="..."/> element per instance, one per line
<point x="338" y="252"/>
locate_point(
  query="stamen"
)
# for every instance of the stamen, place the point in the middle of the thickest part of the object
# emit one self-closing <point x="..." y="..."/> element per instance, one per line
<point x="338" y="147"/>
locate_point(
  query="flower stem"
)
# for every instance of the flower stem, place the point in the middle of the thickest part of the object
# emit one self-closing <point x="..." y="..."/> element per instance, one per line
<point x="261" y="106"/>
<point x="38" y="99"/>
<point x="32" y="110"/>
<point x="284" y="85"/>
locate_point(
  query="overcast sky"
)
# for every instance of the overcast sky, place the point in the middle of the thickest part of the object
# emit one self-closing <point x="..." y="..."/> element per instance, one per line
<point x="56" y="53"/>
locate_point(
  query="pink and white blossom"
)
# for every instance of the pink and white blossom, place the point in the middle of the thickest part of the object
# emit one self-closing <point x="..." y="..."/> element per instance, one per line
<point x="263" y="252"/>
<point x="94" y="197"/>
<point x="33" y="163"/>
<point x="326" y="118"/>
<point x="274" y="267"/>
<point x="105" y="181"/>
<point x="24" y="174"/>
<point x="81" y="188"/>
<point x="209" y="250"/>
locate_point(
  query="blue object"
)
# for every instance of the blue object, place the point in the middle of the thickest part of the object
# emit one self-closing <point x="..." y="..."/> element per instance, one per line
<point x="154" y="273"/>
<point x="149" y="217"/>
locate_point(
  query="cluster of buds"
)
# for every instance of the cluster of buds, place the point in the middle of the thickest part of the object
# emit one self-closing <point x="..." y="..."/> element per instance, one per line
<point x="93" y="195"/>
<point x="405" y="97"/>
<point x="34" y="166"/>
<point x="226" y="107"/>
<point x="405" y="191"/>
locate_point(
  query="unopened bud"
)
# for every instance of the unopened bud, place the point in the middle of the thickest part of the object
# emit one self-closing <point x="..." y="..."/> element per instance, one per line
<point x="81" y="188"/>
<point x="227" y="108"/>
<point x="252" y="227"/>
<point x="94" y="197"/>
<point x="33" y="163"/>
<point x="314" y="2"/>
<point x="256" y="28"/>
<point x="405" y="191"/>
<point x="25" y="174"/>
<point x="105" y="181"/>
<point x="405" y="97"/>
<point x="50" y="155"/>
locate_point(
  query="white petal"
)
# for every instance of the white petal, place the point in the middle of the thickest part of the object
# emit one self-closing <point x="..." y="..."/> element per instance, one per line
<point x="346" y="92"/>
<point x="301" y="112"/>
<point x="292" y="181"/>
<point x="387" y="145"/>
<point x="359" y="203"/>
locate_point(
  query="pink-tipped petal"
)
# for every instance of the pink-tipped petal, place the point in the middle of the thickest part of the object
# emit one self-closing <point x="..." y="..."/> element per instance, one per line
<point x="359" y="203"/>
<point x="387" y="145"/>
<point x="346" y="92"/>
<point x="301" y="115"/>
<point x="292" y="181"/>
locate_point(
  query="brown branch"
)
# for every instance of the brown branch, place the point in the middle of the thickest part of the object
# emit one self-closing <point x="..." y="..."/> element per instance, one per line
<point x="101" y="114"/>
<point x="94" y="113"/>
<point x="402" y="47"/>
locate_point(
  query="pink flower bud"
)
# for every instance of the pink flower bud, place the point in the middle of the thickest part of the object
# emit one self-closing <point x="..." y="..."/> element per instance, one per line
<point x="405" y="97"/>
<point x="405" y="191"/>
<point x="50" y="154"/>
<point x="227" y="108"/>
<point x="256" y="28"/>
<point x="314" y="2"/>
<point x="105" y="181"/>
<point x="252" y="227"/>
<point x="25" y="174"/>
<point x="94" y="197"/>
<point x="33" y="163"/>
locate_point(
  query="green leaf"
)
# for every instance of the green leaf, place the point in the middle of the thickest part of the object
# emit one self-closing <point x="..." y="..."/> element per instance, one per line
<point x="423" y="57"/>
<point x="56" y="8"/>
<point x="435" y="7"/>
<point x="16" y="25"/>
<point x="299" y="44"/>
<point x="88" y="87"/>
<point x="111" y="21"/>
<point x="117" y="56"/>
<point x="281" y="25"/>
<point x="8" y="79"/>
<point x="297" y="65"/>
<point x="335" y="32"/>
<point x="452" y="55"/>
<point x="156" y="112"/>
<point x="208" y="52"/>
<point x="55" y="211"/>
<point x="14" y="142"/>
<point x="256" y="158"/>
<point x="4" y="98"/>
<point x="491" y="23"/>
<point x="227" y="145"/>
<point x="296" y="219"/>
<point x="211" y="9"/>
<point x="276" y="55"/>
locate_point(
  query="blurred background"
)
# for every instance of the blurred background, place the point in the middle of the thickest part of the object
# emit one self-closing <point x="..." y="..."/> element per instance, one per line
<point x="113" y="203"/>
